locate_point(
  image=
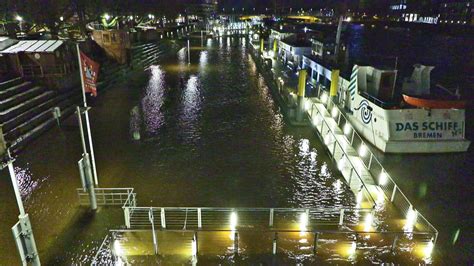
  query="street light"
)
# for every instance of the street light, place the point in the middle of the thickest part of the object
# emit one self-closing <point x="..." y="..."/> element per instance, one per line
<point x="106" y="16"/>
<point x="19" y="18"/>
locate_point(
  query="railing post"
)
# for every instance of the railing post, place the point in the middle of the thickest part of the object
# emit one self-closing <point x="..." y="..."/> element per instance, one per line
<point x="341" y="217"/>
<point x="315" y="244"/>
<point x="163" y="218"/>
<point x="126" y="213"/>
<point x="370" y="161"/>
<point x="236" y="243"/>
<point x="393" y="193"/>
<point x="274" y="246"/>
<point x="270" y="223"/>
<point x="199" y="218"/>
<point x="152" y="221"/>
<point x="394" y="244"/>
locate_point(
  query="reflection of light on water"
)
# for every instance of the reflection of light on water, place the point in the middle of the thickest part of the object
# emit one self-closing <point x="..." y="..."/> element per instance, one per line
<point x="26" y="183"/>
<point x="203" y="57"/>
<point x="153" y="100"/>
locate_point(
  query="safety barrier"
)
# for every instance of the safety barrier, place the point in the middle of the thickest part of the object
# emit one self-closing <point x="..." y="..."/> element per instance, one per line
<point x="109" y="196"/>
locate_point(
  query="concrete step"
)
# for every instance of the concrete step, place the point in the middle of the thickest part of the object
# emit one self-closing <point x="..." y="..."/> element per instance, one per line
<point x="22" y="140"/>
<point x="50" y="103"/>
<point x="16" y="89"/>
<point x="21" y="97"/>
<point x="10" y="83"/>
<point x="24" y="106"/>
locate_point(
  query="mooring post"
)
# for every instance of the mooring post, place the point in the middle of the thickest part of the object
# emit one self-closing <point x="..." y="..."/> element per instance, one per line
<point x="301" y="94"/>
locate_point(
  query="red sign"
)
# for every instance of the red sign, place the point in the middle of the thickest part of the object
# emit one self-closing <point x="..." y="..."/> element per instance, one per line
<point x="90" y="71"/>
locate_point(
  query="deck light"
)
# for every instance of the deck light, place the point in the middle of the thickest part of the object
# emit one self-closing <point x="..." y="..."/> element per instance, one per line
<point x="383" y="178"/>
<point x="303" y="221"/>
<point x="327" y="139"/>
<point x="410" y="219"/>
<point x="341" y="164"/>
<point x="194" y="248"/>
<point x="61" y="18"/>
<point x="359" y="197"/>
<point x="324" y="98"/>
<point x="334" y="112"/>
<point x="233" y="221"/>
<point x="363" y="150"/>
<point x="369" y="218"/>
<point x="352" y="249"/>
<point x="429" y="249"/>
<point x="347" y="128"/>
<point x="118" y="248"/>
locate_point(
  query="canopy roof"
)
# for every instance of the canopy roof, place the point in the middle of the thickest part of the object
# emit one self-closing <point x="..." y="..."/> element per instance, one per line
<point x="32" y="46"/>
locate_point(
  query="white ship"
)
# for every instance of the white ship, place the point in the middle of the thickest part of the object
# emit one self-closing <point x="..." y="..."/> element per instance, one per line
<point x="412" y="118"/>
<point x="423" y="121"/>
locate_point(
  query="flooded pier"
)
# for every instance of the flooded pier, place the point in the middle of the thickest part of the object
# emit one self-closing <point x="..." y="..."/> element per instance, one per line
<point x="206" y="135"/>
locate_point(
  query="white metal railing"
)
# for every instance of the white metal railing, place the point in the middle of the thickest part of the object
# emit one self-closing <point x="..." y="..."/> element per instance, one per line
<point x="108" y="196"/>
<point x="217" y="218"/>
<point x="379" y="174"/>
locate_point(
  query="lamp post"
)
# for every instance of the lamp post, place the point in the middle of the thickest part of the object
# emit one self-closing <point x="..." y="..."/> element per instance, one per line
<point x="20" y="20"/>
<point x="22" y="231"/>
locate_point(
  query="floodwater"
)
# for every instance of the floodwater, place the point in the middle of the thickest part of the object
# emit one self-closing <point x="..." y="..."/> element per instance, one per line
<point x="200" y="134"/>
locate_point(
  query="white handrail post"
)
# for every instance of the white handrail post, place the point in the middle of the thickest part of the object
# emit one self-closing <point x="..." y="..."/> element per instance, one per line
<point x="199" y="218"/>
<point x="163" y="219"/>
<point x="274" y="247"/>
<point x="393" y="193"/>
<point x="152" y="221"/>
<point x="341" y="217"/>
<point x="126" y="213"/>
<point x="270" y="223"/>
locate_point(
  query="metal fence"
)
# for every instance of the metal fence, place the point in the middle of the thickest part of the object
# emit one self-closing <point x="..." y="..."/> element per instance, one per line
<point x="109" y="196"/>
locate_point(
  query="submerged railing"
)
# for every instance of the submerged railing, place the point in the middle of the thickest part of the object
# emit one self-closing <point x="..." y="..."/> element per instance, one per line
<point x="109" y="196"/>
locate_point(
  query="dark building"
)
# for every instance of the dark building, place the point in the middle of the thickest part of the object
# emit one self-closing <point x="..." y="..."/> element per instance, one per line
<point x="202" y="9"/>
<point x="456" y="12"/>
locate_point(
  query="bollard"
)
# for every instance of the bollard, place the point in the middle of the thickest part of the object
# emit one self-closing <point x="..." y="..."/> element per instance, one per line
<point x="301" y="94"/>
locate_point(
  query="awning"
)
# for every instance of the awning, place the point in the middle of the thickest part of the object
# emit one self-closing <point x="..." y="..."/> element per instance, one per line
<point x="32" y="46"/>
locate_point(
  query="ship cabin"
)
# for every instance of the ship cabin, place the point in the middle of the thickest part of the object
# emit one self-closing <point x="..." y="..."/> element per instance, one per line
<point x="292" y="49"/>
<point x="115" y="42"/>
<point x="51" y="62"/>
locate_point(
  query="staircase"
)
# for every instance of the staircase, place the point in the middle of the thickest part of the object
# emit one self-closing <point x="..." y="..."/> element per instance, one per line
<point x="26" y="110"/>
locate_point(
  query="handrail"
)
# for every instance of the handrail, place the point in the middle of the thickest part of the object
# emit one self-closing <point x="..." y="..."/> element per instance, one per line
<point x="373" y="159"/>
<point x="347" y="155"/>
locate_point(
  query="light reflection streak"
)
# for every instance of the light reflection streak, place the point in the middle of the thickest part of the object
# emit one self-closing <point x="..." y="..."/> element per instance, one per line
<point x="153" y="100"/>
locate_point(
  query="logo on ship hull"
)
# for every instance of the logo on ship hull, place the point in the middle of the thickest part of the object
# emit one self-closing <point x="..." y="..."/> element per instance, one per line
<point x="365" y="111"/>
